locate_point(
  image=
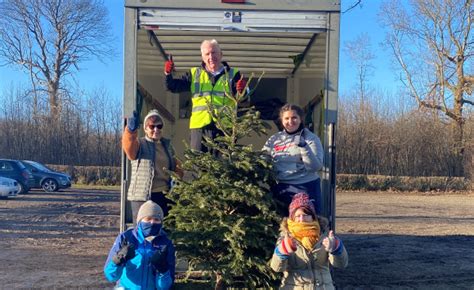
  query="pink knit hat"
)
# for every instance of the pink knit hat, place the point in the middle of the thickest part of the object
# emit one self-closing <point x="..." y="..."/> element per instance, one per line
<point x="301" y="200"/>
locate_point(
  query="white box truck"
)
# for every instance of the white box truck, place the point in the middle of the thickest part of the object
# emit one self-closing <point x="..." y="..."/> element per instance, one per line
<point x="295" y="42"/>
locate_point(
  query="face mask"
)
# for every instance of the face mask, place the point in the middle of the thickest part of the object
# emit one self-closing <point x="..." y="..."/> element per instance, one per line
<point x="149" y="229"/>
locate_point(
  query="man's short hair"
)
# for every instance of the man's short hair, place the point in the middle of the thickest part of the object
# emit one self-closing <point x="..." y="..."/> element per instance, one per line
<point x="212" y="42"/>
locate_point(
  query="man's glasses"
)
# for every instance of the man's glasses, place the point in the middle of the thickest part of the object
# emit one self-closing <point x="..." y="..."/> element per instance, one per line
<point x="153" y="127"/>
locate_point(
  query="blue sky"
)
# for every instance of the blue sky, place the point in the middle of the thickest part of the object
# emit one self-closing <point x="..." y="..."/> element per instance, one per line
<point x="94" y="73"/>
<point x="361" y="19"/>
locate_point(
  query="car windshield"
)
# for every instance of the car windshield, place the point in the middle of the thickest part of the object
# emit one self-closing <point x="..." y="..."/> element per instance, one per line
<point x="21" y="165"/>
<point x="39" y="166"/>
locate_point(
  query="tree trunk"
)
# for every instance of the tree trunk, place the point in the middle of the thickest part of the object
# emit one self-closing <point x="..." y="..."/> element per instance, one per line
<point x="53" y="99"/>
<point x="220" y="285"/>
<point x="459" y="149"/>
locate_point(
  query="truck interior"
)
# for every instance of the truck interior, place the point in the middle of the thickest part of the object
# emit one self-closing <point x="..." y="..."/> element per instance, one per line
<point x="293" y="43"/>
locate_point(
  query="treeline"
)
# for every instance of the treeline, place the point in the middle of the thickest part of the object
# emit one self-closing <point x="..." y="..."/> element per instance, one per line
<point x="373" y="137"/>
<point x="378" y="138"/>
<point x="87" y="132"/>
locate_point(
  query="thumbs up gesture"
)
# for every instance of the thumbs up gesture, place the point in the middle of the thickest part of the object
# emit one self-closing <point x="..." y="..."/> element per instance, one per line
<point x="287" y="246"/>
<point x="299" y="139"/>
<point x="241" y="84"/>
<point x="169" y="65"/>
<point x="331" y="242"/>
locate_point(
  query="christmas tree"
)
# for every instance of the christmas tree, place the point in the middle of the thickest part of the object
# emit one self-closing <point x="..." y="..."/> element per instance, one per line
<point x="225" y="221"/>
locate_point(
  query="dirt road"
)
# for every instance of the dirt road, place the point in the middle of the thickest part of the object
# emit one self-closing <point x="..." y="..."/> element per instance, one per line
<point x="57" y="240"/>
<point x="406" y="241"/>
<point x="395" y="240"/>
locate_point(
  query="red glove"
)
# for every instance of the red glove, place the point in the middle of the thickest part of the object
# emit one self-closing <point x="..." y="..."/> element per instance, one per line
<point x="287" y="246"/>
<point x="240" y="85"/>
<point x="169" y="65"/>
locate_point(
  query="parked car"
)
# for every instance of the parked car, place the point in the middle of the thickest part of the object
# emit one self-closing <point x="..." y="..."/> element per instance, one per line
<point x="14" y="169"/>
<point x="46" y="178"/>
<point x="8" y="187"/>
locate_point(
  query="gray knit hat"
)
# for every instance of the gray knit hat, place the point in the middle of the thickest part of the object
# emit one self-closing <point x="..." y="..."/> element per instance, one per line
<point x="153" y="113"/>
<point x="150" y="209"/>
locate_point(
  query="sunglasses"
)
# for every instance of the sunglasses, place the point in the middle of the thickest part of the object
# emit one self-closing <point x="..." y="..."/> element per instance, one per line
<point x="153" y="127"/>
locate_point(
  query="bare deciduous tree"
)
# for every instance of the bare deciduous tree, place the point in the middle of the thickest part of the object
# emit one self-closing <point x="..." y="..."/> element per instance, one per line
<point x="354" y="4"/>
<point x="50" y="38"/>
<point x="360" y="52"/>
<point x="87" y="133"/>
<point x="433" y="44"/>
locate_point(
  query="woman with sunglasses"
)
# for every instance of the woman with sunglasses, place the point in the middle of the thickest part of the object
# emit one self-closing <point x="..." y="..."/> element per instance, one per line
<point x="151" y="157"/>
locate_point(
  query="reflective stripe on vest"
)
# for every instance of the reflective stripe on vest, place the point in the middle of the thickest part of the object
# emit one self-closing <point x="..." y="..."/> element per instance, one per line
<point x="203" y="93"/>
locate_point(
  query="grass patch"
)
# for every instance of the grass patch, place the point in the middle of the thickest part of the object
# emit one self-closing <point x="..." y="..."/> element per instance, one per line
<point x="401" y="183"/>
<point x="97" y="187"/>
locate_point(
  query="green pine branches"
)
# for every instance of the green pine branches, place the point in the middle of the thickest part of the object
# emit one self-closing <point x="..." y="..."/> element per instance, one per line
<point x="224" y="221"/>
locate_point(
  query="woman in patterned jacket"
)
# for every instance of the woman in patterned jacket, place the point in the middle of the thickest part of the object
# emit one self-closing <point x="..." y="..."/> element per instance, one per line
<point x="297" y="156"/>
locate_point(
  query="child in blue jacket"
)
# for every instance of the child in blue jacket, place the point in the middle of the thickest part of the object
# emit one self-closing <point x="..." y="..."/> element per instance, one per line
<point x="142" y="257"/>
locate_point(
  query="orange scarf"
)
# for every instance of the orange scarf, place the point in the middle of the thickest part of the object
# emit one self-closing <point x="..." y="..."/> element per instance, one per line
<point x="307" y="233"/>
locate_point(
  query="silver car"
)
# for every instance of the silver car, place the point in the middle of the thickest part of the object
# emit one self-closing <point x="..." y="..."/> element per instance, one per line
<point x="8" y="187"/>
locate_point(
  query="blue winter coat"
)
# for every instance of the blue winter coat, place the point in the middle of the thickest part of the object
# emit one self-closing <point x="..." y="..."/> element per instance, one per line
<point x="138" y="273"/>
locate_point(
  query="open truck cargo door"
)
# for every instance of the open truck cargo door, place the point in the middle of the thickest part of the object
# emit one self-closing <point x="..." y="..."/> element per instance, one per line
<point x="295" y="43"/>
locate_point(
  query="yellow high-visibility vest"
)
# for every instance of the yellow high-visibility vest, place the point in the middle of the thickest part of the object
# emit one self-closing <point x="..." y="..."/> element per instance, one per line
<point x="203" y="92"/>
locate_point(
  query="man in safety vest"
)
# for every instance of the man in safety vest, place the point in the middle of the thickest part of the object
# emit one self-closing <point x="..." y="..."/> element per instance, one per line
<point x="208" y="83"/>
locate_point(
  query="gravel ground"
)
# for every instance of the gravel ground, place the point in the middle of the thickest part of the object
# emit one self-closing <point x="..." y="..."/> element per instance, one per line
<point x="406" y="241"/>
<point x="394" y="240"/>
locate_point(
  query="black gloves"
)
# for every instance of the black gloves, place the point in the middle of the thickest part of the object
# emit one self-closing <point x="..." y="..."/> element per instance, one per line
<point x="299" y="139"/>
<point x="133" y="121"/>
<point x="125" y="253"/>
<point x="159" y="260"/>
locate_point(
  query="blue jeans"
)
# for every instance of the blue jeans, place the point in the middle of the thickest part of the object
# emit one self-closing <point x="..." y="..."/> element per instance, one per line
<point x="284" y="192"/>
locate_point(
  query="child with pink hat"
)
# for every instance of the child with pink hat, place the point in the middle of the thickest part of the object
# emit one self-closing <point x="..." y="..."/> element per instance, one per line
<point x="305" y="248"/>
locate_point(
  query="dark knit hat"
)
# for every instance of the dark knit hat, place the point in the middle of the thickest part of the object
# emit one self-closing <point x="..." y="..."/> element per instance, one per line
<point x="301" y="200"/>
<point x="150" y="209"/>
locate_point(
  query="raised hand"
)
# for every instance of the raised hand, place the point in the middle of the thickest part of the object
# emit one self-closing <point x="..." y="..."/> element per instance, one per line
<point x="241" y="84"/>
<point x="287" y="246"/>
<point x="169" y="65"/>
<point x="299" y="139"/>
<point x="331" y="242"/>
<point x="133" y="121"/>
<point x="125" y="253"/>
